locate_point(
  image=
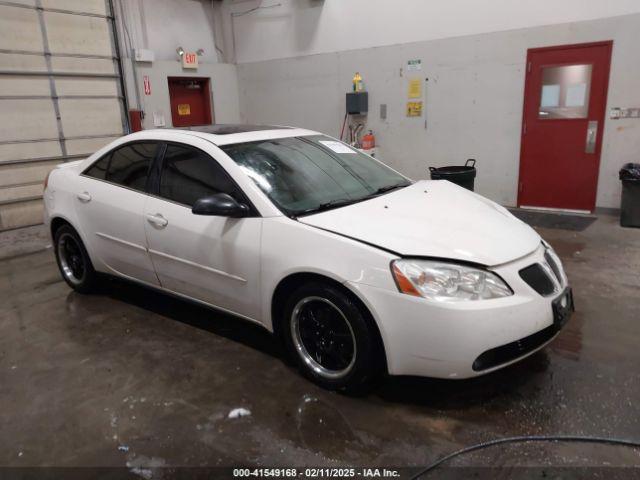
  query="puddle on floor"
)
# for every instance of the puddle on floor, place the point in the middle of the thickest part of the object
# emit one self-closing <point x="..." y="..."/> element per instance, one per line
<point x="569" y="343"/>
<point x="567" y="248"/>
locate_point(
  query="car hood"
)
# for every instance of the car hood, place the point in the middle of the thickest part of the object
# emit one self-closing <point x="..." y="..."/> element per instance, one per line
<point x="433" y="219"/>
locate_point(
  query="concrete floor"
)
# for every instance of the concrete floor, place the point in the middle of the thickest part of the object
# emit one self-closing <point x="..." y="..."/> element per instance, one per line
<point x="132" y="377"/>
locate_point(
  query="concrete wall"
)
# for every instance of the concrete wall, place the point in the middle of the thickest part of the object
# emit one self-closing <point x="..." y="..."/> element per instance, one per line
<point x="224" y="89"/>
<point x="305" y="27"/>
<point x="474" y="99"/>
<point x="162" y="26"/>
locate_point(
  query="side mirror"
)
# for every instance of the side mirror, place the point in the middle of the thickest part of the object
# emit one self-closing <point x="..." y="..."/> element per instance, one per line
<point x="221" y="205"/>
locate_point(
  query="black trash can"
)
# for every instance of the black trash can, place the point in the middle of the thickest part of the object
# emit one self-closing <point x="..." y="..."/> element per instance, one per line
<point x="630" y="204"/>
<point x="463" y="175"/>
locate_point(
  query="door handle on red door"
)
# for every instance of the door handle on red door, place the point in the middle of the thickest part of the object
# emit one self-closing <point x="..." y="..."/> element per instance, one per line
<point x="84" y="197"/>
<point x="592" y="135"/>
<point x="157" y="220"/>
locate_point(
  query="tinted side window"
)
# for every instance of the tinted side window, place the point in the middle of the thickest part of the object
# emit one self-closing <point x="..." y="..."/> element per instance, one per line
<point x="189" y="174"/>
<point x="99" y="169"/>
<point x="129" y="165"/>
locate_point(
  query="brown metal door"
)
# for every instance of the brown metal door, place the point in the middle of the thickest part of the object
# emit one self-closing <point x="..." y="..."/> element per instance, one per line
<point x="190" y="100"/>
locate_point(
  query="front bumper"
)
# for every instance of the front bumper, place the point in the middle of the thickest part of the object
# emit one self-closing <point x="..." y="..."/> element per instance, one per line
<point x="562" y="308"/>
<point x="448" y="340"/>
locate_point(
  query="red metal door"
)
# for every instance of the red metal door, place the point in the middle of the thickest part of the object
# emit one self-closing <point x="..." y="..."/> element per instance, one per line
<point x="564" y="108"/>
<point x="190" y="101"/>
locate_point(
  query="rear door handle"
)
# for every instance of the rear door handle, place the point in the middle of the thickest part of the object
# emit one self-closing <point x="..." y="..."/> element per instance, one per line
<point x="84" y="197"/>
<point x="157" y="220"/>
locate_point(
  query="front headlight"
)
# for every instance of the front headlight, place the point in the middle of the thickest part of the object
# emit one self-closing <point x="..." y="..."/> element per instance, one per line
<point x="447" y="282"/>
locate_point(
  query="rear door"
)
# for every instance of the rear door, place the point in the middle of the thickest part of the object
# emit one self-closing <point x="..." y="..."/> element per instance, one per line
<point x="110" y="197"/>
<point x="564" y="110"/>
<point x="209" y="258"/>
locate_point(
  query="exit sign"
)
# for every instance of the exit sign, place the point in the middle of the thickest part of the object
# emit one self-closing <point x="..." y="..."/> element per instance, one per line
<point x="190" y="60"/>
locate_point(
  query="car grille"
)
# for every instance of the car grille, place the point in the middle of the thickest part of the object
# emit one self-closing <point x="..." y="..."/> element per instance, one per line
<point x="545" y="277"/>
<point x="538" y="278"/>
<point x="554" y="267"/>
<point x="511" y="351"/>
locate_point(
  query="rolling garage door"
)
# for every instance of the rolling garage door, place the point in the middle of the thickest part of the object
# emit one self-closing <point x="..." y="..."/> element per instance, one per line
<point x="60" y="95"/>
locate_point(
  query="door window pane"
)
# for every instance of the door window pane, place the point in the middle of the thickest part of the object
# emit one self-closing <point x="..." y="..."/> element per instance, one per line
<point x="550" y="96"/>
<point x="565" y="92"/>
<point x="130" y="164"/>
<point x="189" y="174"/>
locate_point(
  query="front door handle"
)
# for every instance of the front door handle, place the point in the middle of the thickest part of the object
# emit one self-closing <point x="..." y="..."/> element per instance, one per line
<point x="84" y="197"/>
<point x="157" y="220"/>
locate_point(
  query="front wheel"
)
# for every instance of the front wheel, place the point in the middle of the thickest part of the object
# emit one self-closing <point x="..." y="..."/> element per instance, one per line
<point x="331" y="338"/>
<point x="73" y="260"/>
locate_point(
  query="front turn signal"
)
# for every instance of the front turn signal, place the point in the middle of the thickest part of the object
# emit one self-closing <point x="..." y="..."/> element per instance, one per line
<point x="404" y="285"/>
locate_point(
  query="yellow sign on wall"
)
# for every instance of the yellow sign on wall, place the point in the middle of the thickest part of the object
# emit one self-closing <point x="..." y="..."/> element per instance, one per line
<point x="415" y="88"/>
<point x="184" y="109"/>
<point x="414" y="109"/>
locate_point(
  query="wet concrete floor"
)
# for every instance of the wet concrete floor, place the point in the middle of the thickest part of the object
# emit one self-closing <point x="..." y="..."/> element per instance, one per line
<point x="131" y="377"/>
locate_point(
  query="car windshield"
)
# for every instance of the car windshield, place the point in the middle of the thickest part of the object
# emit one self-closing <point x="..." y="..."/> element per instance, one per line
<point x="304" y="175"/>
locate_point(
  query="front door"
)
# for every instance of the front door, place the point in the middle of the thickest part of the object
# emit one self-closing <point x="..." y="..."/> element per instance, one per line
<point x="209" y="258"/>
<point x="563" y="120"/>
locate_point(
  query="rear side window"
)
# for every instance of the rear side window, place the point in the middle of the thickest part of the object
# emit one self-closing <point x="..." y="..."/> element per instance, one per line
<point x="189" y="174"/>
<point x="127" y="166"/>
<point x="99" y="169"/>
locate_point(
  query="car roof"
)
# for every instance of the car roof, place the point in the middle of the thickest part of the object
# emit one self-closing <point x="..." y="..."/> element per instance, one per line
<point x="226" y="134"/>
<point x="229" y="128"/>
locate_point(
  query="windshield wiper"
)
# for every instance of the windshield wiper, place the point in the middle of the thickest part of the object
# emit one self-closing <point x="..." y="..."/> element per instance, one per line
<point x="388" y="188"/>
<point x="342" y="202"/>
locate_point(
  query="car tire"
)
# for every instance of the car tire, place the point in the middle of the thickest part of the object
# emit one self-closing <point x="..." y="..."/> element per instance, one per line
<point x="331" y="339"/>
<point x="73" y="260"/>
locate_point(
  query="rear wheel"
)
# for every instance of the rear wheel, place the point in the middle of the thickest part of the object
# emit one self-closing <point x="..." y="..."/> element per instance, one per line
<point x="330" y="337"/>
<point x="73" y="260"/>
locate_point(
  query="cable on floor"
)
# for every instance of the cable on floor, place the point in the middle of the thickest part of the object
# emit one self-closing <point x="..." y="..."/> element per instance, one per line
<point x="524" y="439"/>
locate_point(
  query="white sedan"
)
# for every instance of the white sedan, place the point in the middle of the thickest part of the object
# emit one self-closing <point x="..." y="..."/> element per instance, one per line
<point x="356" y="268"/>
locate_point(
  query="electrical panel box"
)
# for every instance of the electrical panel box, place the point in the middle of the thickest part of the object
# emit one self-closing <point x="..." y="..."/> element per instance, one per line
<point x="357" y="103"/>
<point x="142" y="55"/>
